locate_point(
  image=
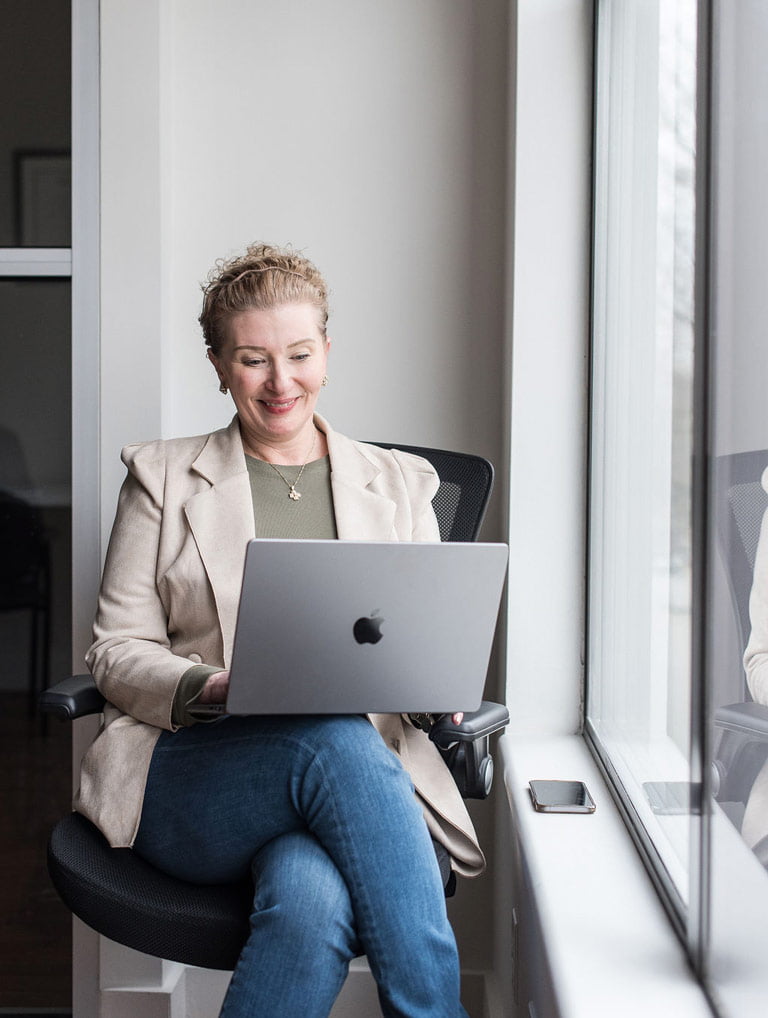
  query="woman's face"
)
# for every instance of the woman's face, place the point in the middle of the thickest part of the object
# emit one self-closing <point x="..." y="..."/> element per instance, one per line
<point x="273" y="363"/>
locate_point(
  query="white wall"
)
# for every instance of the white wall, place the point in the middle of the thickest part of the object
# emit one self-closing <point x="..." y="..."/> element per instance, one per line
<point x="373" y="136"/>
<point x="548" y="330"/>
<point x="549" y="280"/>
<point x="366" y="134"/>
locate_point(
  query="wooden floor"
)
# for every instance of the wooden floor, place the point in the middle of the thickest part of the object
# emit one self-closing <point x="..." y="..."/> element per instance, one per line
<point x="35" y="790"/>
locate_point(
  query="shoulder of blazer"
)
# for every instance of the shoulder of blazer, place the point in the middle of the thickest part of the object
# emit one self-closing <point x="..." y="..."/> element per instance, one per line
<point x="370" y="461"/>
<point x="151" y="462"/>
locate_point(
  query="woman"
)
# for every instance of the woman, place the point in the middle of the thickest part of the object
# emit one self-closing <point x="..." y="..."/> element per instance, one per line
<point x="334" y="816"/>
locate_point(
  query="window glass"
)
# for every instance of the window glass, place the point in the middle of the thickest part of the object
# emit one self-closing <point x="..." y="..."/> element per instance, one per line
<point x="35" y="625"/>
<point x="35" y="124"/>
<point x="639" y="632"/>
<point x="35" y="497"/>
<point x="739" y="377"/>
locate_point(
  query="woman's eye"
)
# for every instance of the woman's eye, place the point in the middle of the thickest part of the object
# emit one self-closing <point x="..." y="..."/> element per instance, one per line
<point x="254" y="362"/>
<point x="300" y="356"/>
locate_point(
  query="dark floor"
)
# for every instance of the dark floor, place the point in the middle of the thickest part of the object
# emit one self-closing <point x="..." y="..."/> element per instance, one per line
<point x="35" y="928"/>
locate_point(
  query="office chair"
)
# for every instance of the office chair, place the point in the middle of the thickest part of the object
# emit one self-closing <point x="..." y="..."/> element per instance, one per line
<point x="742" y="748"/>
<point x="122" y="897"/>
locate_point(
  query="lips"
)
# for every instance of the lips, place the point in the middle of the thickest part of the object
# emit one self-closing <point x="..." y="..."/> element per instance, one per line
<point x="279" y="406"/>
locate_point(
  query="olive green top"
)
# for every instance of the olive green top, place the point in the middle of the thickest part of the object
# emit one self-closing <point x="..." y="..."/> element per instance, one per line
<point x="275" y="514"/>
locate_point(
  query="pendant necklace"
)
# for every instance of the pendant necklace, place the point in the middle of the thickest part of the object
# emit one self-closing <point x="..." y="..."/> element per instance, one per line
<point x="292" y="493"/>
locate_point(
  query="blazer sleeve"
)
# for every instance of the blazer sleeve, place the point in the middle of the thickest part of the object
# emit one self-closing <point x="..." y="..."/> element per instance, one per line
<point x="756" y="654"/>
<point x="131" y="658"/>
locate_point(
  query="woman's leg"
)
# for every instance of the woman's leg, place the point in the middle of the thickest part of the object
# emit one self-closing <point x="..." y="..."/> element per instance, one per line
<point x="217" y="794"/>
<point x="302" y="934"/>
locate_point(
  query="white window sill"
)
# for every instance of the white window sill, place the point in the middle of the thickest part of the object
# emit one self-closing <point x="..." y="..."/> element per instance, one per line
<point x="609" y="944"/>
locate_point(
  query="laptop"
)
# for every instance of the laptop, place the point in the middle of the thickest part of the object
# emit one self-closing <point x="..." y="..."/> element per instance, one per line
<point x="356" y="627"/>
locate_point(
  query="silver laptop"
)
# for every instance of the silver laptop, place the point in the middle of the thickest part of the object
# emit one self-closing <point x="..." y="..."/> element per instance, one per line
<point x="354" y="627"/>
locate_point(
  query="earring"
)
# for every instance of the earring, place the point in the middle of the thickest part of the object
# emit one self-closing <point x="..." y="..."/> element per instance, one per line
<point x="223" y="389"/>
<point x="325" y="380"/>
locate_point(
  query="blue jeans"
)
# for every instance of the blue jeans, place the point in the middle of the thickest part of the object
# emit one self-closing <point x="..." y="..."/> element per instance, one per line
<point x="325" y="818"/>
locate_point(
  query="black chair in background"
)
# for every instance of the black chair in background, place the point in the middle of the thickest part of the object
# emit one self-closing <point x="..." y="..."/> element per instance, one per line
<point x="25" y="582"/>
<point x="122" y="897"/>
<point x="742" y="748"/>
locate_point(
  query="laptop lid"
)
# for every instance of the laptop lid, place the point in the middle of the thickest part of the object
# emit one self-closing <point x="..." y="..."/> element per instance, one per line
<point x="355" y="627"/>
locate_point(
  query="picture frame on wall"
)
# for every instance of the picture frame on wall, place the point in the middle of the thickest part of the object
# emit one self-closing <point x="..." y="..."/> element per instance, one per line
<point x="43" y="198"/>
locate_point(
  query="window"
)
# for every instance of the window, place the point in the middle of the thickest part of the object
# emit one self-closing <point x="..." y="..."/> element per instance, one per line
<point x="642" y="385"/>
<point x="679" y="439"/>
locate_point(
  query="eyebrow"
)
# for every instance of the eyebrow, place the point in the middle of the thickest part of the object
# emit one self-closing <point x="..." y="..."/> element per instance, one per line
<point x="298" y="342"/>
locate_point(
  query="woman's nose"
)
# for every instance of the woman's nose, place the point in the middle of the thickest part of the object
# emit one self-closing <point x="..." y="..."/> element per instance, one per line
<point x="278" y="378"/>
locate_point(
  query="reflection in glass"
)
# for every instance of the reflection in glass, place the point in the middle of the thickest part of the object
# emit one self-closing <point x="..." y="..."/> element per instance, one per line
<point x="739" y="554"/>
<point x="35" y="440"/>
<point x="35" y="627"/>
<point x="35" y="124"/>
<point x="639" y="661"/>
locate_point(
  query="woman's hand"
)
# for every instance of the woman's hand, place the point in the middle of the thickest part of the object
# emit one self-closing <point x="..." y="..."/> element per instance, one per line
<point x="457" y="718"/>
<point x="215" y="689"/>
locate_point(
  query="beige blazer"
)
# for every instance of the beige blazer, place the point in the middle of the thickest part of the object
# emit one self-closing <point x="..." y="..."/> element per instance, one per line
<point x="169" y="599"/>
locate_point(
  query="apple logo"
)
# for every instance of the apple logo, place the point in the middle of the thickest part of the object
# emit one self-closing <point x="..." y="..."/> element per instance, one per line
<point x="368" y="630"/>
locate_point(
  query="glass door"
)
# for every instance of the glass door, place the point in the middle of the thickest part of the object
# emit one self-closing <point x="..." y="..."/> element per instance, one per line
<point x="35" y="493"/>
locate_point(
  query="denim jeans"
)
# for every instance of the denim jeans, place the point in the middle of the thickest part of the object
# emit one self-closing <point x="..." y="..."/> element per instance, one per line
<point x="325" y="818"/>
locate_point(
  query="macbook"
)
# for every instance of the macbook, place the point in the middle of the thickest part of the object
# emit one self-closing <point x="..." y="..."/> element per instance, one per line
<point x="354" y="627"/>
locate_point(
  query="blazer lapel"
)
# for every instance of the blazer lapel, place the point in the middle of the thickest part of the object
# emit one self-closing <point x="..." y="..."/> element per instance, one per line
<point x="362" y="514"/>
<point x="221" y="521"/>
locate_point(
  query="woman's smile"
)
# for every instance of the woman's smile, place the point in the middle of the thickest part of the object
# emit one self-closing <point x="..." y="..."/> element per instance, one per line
<point x="275" y="406"/>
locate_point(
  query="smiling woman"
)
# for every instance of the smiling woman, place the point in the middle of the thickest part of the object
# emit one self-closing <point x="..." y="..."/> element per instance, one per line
<point x="321" y="809"/>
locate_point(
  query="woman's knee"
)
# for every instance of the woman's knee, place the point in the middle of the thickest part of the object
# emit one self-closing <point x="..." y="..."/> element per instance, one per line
<point x="298" y="886"/>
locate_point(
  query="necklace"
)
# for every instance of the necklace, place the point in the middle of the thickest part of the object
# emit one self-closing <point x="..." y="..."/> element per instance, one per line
<point x="292" y="493"/>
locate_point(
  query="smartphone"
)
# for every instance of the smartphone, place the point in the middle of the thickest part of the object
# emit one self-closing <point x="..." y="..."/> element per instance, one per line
<point x="561" y="797"/>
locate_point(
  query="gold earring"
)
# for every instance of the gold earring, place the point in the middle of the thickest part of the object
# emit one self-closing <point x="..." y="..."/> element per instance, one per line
<point x="223" y="389"/>
<point x="325" y="380"/>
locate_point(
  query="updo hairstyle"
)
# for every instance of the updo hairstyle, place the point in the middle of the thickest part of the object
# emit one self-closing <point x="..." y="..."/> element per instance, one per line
<point x="264" y="277"/>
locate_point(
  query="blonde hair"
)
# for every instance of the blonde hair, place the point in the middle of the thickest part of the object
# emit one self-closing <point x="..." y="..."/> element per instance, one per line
<point x="264" y="277"/>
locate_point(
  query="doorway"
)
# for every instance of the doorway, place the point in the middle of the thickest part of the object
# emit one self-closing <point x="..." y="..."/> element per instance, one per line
<point x="35" y="494"/>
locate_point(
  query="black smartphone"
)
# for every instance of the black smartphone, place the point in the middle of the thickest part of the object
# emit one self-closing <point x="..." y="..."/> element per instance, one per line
<point x="561" y="797"/>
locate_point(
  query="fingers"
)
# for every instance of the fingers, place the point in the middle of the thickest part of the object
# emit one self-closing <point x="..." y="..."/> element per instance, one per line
<point x="457" y="718"/>
<point x="215" y="689"/>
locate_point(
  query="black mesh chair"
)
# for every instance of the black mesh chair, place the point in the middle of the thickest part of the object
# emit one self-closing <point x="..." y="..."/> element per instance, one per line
<point x="742" y="747"/>
<point x="122" y="897"/>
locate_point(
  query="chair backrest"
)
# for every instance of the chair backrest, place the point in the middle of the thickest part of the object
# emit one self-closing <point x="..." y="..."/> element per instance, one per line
<point x="461" y="500"/>
<point x="740" y="503"/>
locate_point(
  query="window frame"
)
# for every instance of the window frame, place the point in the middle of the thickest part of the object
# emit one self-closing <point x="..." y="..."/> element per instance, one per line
<point x="689" y="920"/>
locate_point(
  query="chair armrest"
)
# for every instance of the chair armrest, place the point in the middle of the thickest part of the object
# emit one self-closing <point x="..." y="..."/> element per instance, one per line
<point x="746" y="718"/>
<point x="75" y="697"/>
<point x="490" y="718"/>
<point x="741" y="750"/>
<point x="465" y="747"/>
